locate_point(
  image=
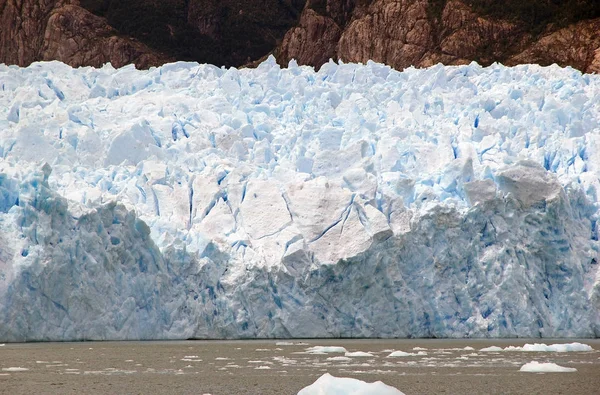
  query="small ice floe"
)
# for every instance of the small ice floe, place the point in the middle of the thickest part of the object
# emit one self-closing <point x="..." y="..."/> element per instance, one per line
<point x="541" y="347"/>
<point x="325" y="349"/>
<point x="14" y="369"/>
<point x="545" y="367"/>
<point x="285" y="361"/>
<point x="419" y="349"/>
<point x="406" y="354"/>
<point x="339" y="359"/>
<point x="359" y="354"/>
<point x="492" y="349"/>
<point x="109" y="371"/>
<point x="263" y="349"/>
<point x="401" y="354"/>
<point x="262" y="367"/>
<point x="375" y="371"/>
<point x="291" y="344"/>
<point x="2" y="345"/>
<point x="221" y="359"/>
<point x="330" y="385"/>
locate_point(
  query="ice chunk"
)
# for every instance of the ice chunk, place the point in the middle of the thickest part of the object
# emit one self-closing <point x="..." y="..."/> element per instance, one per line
<point x="528" y="182"/>
<point x="545" y="367"/>
<point x="331" y="385"/>
<point x="343" y="359"/>
<point x="325" y="349"/>
<point x="401" y="354"/>
<point x="358" y="354"/>
<point x="492" y="349"/>
<point x="541" y="347"/>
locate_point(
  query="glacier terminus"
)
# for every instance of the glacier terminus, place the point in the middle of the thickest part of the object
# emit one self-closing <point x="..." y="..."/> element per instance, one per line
<point x="191" y="201"/>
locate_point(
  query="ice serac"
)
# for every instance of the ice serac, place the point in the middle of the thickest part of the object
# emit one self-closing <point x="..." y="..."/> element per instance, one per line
<point x="190" y="201"/>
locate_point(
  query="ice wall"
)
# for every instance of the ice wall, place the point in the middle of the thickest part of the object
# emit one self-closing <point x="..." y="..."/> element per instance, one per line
<point x="192" y="201"/>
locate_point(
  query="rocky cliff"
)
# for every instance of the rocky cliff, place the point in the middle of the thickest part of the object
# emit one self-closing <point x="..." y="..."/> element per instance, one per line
<point x="400" y="33"/>
<point x="35" y="30"/>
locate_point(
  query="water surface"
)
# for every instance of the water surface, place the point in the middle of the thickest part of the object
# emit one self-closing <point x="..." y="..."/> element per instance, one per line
<point x="284" y="367"/>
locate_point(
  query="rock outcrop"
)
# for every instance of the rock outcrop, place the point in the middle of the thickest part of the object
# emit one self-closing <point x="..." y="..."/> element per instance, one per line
<point x="403" y="33"/>
<point x="577" y="45"/>
<point x="400" y="33"/>
<point x="37" y="30"/>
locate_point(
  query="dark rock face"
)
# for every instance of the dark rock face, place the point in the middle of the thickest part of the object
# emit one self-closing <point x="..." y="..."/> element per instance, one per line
<point x="79" y="38"/>
<point x="400" y="33"/>
<point x="223" y="32"/>
<point x="420" y="33"/>
<point x="34" y="30"/>
<point x="144" y="32"/>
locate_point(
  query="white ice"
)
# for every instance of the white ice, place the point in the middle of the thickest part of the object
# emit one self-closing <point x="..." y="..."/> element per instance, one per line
<point x="331" y="385"/>
<point x="338" y="359"/>
<point x="325" y="349"/>
<point x="401" y="354"/>
<point x="541" y="347"/>
<point x="358" y="354"/>
<point x="191" y="201"/>
<point x="545" y="367"/>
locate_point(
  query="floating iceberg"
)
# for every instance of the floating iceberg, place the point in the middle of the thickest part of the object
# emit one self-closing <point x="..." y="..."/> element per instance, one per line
<point x="190" y="201"/>
<point x="545" y="367"/>
<point x="402" y="354"/>
<point x="331" y="385"/>
<point x="326" y="350"/>
<point x="541" y="347"/>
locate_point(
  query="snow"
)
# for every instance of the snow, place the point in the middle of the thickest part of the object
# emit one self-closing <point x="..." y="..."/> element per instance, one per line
<point x="541" y="347"/>
<point x="190" y="201"/>
<point x="545" y="367"/>
<point x="331" y="385"/>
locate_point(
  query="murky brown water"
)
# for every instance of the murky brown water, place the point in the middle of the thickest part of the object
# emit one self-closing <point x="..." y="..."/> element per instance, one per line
<point x="272" y="367"/>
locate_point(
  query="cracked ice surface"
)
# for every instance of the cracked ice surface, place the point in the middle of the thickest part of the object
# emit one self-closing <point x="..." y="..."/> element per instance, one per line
<point x="192" y="201"/>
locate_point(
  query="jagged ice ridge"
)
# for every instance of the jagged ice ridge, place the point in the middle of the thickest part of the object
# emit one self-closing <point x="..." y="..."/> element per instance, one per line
<point x="190" y="201"/>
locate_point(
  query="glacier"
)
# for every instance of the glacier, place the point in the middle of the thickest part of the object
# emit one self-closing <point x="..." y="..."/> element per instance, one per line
<point x="191" y="201"/>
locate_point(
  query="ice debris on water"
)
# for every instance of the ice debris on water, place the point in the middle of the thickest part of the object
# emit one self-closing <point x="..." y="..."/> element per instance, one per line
<point x="190" y="201"/>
